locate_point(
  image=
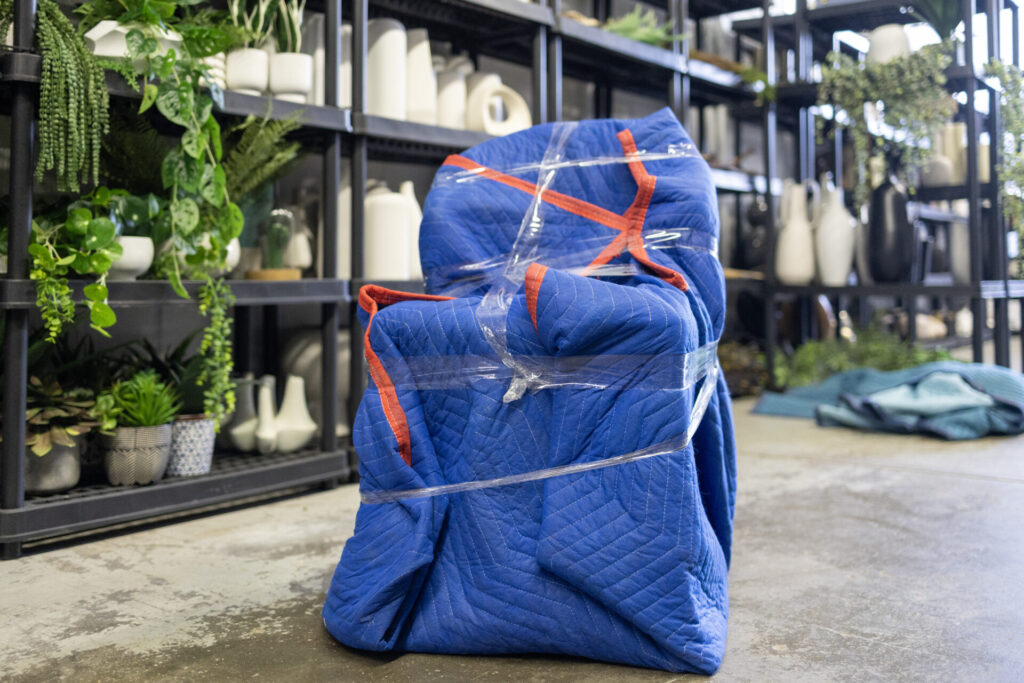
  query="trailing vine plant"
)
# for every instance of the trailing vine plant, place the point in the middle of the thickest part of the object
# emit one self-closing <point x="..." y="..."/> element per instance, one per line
<point x="73" y="99"/>
<point x="1011" y="145"/>
<point x="909" y="94"/>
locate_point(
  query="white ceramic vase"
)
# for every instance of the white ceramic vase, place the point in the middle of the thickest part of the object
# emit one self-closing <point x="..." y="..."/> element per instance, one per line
<point x="954" y="147"/>
<point x="420" y="80"/>
<point x="266" y="417"/>
<point x="835" y="241"/>
<point x="344" y="241"/>
<point x="136" y="258"/>
<point x="242" y="429"/>
<point x="291" y="76"/>
<point x="387" y="235"/>
<point x="298" y="253"/>
<point x="794" y="250"/>
<point x="385" y="68"/>
<point x="345" y="69"/>
<point x="302" y="356"/>
<point x="248" y="71"/>
<point x="408" y="190"/>
<point x="294" y="425"/>
<point x="888" y="42"/>
<point x="451" y="98"/>
<point x="313" y="44"/>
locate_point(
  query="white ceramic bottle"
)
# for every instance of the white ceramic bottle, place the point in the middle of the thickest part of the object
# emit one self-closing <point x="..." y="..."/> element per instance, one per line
<point x="835" y="241"/>
<point x="266" y="425"/>
<point x="408" y="190"/>
<point x="385" y="68"/>
<point x="242" y="429"/>
<point x="420" y="80"/>
<point x="794" y="250"/>
<point x="451" y="98"/>
<point x="387" y="234"/>
<point x="294" y="425"/>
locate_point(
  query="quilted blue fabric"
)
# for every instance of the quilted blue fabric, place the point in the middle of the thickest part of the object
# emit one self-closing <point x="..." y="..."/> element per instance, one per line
<point x="624" y="564"/>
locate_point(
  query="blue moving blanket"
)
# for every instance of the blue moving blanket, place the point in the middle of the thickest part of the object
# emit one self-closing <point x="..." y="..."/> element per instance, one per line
<point x="613" y="270"/>
<point x="947" y="399"/>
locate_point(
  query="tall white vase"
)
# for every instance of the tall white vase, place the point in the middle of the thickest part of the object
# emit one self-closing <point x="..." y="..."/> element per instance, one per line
<point x="387" y="235"/>
<point x="451" y="98"/>
<point x="242" y="430"/>
<point x="408" y="190"/>
<point x="420" y="80"/>
<point x="344" y="244"/>
<point x="385" y="68"/>
<point x="266" y="426"/>
<point x="888" y="42"/>
<point x="294" y="425"/>
<point x="835" y="241"/>
<point x="794" y="251"/>
<point x="954" y="139"/>
<point x="345" y="70"/>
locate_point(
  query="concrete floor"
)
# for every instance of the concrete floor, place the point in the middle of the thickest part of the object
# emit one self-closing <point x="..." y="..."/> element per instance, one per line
<point x="857" y="557"/>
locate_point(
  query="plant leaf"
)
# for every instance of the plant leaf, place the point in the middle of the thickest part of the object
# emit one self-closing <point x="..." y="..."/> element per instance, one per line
<point x="102" y="232"/>
<point x="148" y="97"/>
<point x="184" y="215"/>
<point x="101" y="315"/>
<point x="95" y="292"/>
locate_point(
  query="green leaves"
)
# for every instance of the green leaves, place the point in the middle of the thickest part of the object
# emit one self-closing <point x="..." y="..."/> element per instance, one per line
<point x="101" y="233"/>
<point x="176" y="102"/>
<point x="184" y="215"/>
<point x="149" y="94"/>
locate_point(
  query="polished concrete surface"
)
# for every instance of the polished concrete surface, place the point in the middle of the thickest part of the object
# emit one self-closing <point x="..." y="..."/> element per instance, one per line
<point x="857" y="557"/>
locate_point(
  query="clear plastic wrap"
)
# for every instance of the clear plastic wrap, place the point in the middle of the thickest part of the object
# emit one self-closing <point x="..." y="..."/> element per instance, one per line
<point x="503" y="278"/>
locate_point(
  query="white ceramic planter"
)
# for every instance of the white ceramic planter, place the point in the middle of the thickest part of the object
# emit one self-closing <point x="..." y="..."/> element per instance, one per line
<point x="291" y="76"/>
<point x="136" y="455"/>
<point x="385" y="68"/>
<point x="107" y="39"/>
<point x="248" y="71"/>
<point x="58" y="470"/>
<point x="136" y="258"/>
<point x="888" y="42"/>
<point x="420" y="80"/>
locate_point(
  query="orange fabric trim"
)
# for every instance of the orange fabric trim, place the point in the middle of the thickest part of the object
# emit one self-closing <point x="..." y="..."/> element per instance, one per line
<point x="562" y="201"/>
<point x="534" y="278"/>
<point x="370" y="298"/>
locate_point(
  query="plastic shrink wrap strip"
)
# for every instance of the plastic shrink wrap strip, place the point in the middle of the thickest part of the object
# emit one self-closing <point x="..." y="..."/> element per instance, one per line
<point x="546" y="452"/>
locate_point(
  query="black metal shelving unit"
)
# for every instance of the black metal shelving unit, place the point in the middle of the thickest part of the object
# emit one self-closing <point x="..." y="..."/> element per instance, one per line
<point x="810" y="34"/>
<point x="529" y="34"/>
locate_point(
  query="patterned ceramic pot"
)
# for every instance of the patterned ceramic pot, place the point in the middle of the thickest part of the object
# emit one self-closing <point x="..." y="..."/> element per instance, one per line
<point x="192" y="440"/>
<point x="137" y="455"/>
<point x="58" y="470"/>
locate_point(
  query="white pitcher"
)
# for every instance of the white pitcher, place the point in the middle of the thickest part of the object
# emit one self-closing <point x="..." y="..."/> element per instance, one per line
<point x="835" y="241"/>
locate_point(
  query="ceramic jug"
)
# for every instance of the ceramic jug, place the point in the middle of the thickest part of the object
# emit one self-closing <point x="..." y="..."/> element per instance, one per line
<point x="888" y="42"/>
<point x="794" y="250"/>
<point x="892" y="239"/>
<point x="385" y="67"/>
<point x="420" y="80"/>
<point x="293" y="424"/>
<point x="835" y="241"/>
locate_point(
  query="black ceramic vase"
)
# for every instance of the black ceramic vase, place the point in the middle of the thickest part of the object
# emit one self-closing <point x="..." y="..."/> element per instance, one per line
<point x="753" y="246"/>
<point x="892" y="239"/>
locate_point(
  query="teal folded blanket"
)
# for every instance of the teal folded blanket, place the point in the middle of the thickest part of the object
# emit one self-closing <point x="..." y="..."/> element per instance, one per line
<point x="949" y="400"/>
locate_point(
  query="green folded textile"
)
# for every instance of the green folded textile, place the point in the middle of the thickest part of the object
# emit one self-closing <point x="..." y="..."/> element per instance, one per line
<point x="948" y="399"/>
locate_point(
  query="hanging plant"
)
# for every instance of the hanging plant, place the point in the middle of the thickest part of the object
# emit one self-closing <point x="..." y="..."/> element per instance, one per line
<point x="73" y="99"/>
<point x="1011" y="144"/>
<point x="909" y="95"/>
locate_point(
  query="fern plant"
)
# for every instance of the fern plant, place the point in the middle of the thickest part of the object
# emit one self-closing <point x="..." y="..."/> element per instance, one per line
<point x="73" y="99"/>
<point x="642" y="25"/>
<point x="259" y="154"/>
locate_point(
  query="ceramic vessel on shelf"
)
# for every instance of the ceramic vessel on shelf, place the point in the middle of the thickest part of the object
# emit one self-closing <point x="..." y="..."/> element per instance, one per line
<point x="835" y="241"/>
<point x="302" y="356"/>
<point x="248" y="70"/>
<point x="299" y="252"/>
<point x="294" y="425"/>
<point x="794" y="250"/>
<point x="216" y="71"/>
<point x="954" y="141"/>
<point x="242" y="429"/>
<point x="387" y="234"/>
<point x="136" y="258"/>
<point x="385" y="64"/>
<point x="108" y="39"/>
<point x="345" y="68"/>
<point x="753" y="241"/>
<point x="892" y="239"/>
<point x="408" y="190"/>
<point x="266" y="425"/>
<point x="420" y="80"/>
<point x="888" y="42"/>
<point x="495" y="108"/>
<point x="291" y="76"/>
<point x="451" y="98"/>
<point x="192" y="439"/>
<point x="58" y="470"/>
<point x="136" y="455"/>
<point x="984" y="163"/>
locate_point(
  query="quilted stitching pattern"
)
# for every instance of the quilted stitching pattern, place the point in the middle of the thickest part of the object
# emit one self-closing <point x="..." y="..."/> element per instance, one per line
<point x="625" y="564"/>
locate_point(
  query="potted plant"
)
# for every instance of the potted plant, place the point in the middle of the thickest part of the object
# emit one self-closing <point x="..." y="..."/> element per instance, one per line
<point x="277" y="232"/>
<point x="133" y="217"/>
<point x="57" y="421"/>
<point x="193" y="431"/>
<point x="247" y="68"/>
<point x="135" y="418"/>
<point x="291" y="71"/>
